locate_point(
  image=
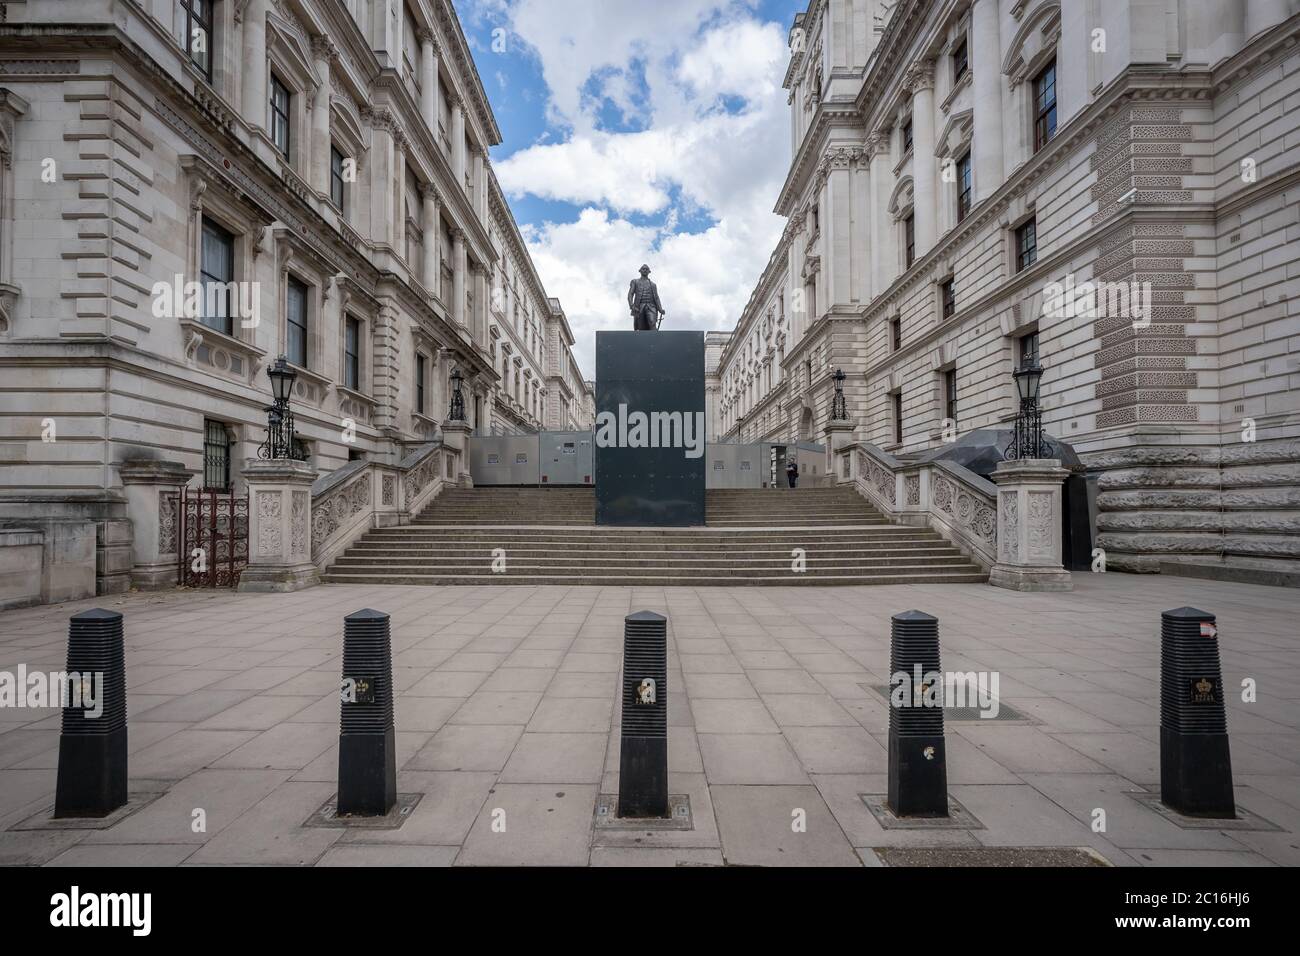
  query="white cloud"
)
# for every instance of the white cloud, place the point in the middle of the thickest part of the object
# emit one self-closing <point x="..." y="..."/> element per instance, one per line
<point x="699" y="80"/>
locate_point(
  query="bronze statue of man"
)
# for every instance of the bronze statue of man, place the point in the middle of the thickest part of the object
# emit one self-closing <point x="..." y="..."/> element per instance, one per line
<point x="643" y="300"/>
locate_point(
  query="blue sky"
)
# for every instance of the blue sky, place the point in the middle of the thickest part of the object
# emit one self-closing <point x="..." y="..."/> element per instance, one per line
<point x="634" y="132"/>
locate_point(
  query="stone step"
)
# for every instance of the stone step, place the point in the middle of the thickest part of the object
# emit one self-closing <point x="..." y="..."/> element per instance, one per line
<point x="937" y="549"/>
<point x="657" y="579"/>
<point x="722" y="564"/>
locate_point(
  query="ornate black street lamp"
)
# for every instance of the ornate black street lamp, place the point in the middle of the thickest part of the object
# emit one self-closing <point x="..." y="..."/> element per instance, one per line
<point x="280" y="441"/>
<point x="839" y="408"/>
<point x="1027" y="441"/>
<point x="457" y="413"/>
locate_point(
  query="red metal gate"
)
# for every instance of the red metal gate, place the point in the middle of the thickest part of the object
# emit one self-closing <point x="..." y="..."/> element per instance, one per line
<point x="214" y="538"/>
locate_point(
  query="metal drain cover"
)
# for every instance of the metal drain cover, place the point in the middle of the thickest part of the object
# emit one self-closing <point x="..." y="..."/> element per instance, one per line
<point x="328" y="815"/>
<point x="679" y="815"/>
<point x="1006" y="856"/>
<point x="1005" y="712"/>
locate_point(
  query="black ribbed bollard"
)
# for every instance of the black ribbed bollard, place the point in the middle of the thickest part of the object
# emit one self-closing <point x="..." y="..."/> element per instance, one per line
<point x="367" y="754"/>
<point x="92" y="749"/>
<point x="1195" y="768"/>
<point x="643" y="755"/>
<point x="918" y="776"/>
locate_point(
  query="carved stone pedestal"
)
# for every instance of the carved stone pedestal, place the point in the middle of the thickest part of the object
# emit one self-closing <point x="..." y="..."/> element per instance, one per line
<point x="1029" y="526"/>
<point x="279" y="526"/>
<point x="838" y="434"/>
<point x="153" y="504"/>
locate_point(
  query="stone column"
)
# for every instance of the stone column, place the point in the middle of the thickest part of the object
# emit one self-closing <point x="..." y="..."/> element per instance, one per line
<point x="254" y="67"/>
<point x="882" y="270"/>
<point x="322" y="53"/>
<point x="152" y="502"/>
<point x="458" y="142"/>
<point x="920" y="80"/>
<point x="863" y="241"/>
<point x="429" y="220"/>
<point x="429" y="81"/>
<point x="279" y="526"/>
<point x="399" y="177"/>
<point x="986" y="67"/>
<point x="479" y="331"/>
<point x="458" y="277"/>
<point x="1029" y="526"/>
<point x="837" y="237"/>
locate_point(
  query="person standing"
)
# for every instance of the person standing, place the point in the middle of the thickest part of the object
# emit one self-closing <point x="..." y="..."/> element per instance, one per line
<point x="792" y="472"/>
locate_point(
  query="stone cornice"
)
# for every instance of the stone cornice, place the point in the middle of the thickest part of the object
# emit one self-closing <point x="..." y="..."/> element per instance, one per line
<point x="831" y="114"/>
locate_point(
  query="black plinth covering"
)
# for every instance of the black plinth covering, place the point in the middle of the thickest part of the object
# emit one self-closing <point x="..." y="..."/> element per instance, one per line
<point x="644" y="373"/>
<point x="92" y="777"/>
<point x="643" y="753"/>
<point x="367" y="748"/>
<point x="918" y="778"/>
<point x="1195" y="766"/>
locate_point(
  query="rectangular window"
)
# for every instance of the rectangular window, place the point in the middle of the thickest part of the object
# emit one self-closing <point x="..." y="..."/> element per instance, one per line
<point x="1044" y="106"/>
<point x="195" y="17"/>
<point x="963" y="187"/>
<point x="419" y="384"/>
<point x="907" y="137"/>
<point x="898" y="418"/>
<point x="352" y="354"/>
<point x="1026" y="245"/>
<point x="296" y="319"/>
<point x="216" y="456"/>
<point x="280" y="100"/>
<point x="948" y="298"/>
<point x="1029" y="349"/>
<point x="896" y="334"/>
<point x="909" y="241"/>
<point x="216" y="272"/>
<point x="336" y="177"/>
<point x="950" y="394"/>
<point x="960" y="62"/>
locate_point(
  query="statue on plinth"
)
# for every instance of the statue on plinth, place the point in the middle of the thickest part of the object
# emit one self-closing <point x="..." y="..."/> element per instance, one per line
<point x="643" y="300"/>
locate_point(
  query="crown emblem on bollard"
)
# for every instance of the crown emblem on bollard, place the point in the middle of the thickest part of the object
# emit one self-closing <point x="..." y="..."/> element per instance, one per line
<point x="645" y="692"/>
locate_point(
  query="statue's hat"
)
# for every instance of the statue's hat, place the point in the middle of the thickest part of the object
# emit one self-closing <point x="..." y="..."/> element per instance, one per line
<point x="644" y="268"/>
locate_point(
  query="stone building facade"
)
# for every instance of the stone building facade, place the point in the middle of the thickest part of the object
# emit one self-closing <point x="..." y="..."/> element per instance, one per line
<point x="325" y="163"/>
<point x="962" y="171"/>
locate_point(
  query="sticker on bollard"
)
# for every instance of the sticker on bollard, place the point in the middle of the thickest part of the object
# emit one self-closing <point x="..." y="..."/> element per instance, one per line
<point x="92" y="776"/>
<point x="918" y="776"/>
<point x="367" y="751"/>
<point x="643" y="752"/>
<point x="1195" y="765"/>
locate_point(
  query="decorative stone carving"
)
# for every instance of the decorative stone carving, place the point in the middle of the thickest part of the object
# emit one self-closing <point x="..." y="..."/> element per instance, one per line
<point x="268" y="535"/>
<point x="388" y="492"/>
<point x="298" y="523"/>
<point x="1029" y="533"/>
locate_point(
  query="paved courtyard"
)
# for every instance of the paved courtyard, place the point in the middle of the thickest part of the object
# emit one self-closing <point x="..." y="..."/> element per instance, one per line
<point x="506" y="714"/>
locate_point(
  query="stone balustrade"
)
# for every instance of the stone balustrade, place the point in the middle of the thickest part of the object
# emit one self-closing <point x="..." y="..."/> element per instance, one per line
<point x="952" y="500"/>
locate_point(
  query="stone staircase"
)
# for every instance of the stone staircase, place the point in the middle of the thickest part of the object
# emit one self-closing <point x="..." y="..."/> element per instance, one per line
<point x="548" y="536"/>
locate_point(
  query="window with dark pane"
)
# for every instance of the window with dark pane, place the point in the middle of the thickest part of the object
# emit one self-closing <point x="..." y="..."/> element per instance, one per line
<point x="950" y="394"/>
<point x="280" y="102"/>
<point x="1029" y="349"/>
<point x="295" y="312"/>
<point x="216" y="456"/>
<point x="420" y="367"/>
<point x="216" y="273"/>
<point x="960" y="60"/>
<point x="1026" y="245"/>
<point x="963" y="186"/>
<point x="1044" y="106"/>
<point x="896" y="334"/>
<point x="898" y="418"/>
<point x="948" y="298"/>
<point x="909" y="240"/>
<point x="907" y="137"/>
<point x="336" y="177"/>
<point x="352" y="354"/>
<point x="195" y="17"/>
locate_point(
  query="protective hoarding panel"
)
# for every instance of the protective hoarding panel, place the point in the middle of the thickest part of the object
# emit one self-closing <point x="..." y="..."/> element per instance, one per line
<point x="650" y="420"/>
